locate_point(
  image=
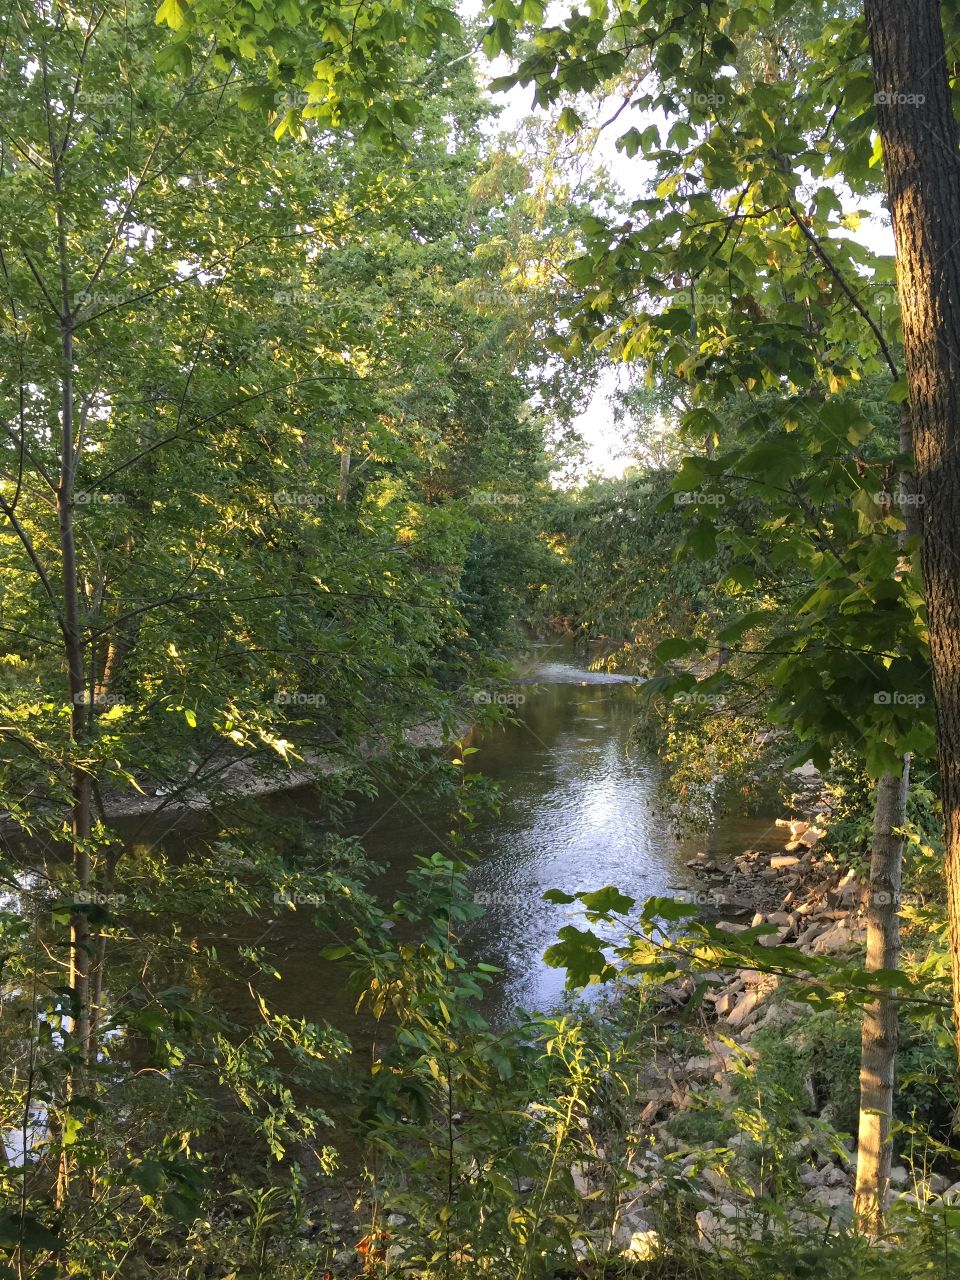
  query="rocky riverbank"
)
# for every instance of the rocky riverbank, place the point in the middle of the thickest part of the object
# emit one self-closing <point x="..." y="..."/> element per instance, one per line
<point x="728" y="1182"/>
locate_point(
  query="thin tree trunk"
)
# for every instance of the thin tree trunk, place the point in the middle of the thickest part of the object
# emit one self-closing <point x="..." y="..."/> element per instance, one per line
<point x="343" y="485"/>
<point x="81" y="811"/>
<point x="878" y="1052"/>
<point x="919" y="135"/>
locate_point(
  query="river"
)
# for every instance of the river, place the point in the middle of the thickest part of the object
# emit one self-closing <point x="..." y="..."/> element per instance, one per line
<point x="579" y="810"/>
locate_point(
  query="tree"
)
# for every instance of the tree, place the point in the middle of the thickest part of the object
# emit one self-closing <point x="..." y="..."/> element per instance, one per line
<point x="919" y="135"/>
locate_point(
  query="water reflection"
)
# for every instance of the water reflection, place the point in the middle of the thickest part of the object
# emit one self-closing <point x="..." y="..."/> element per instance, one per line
<point x="579" y="811"/>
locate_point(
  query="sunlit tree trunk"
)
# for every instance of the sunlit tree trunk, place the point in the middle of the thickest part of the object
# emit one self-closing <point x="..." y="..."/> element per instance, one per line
<point x="343" y="484"/>
<point x="919" y="137"/>
<point x="878" y="1053"/>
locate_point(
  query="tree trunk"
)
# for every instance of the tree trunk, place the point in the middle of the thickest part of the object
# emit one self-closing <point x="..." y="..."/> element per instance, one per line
<point x="343" y="485"/>
<point x="80" y="711"/>
<point x="878" y="1052"/>
<point x="922" y="166"/>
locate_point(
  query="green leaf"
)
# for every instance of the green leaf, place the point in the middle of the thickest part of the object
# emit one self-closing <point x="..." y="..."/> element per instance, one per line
<point x="172" y="13"/>
<point x="607" y="900"/>
<point x="557" y="895"/>
<point x="28" y="1232"/>
<point x="673" y="647"/>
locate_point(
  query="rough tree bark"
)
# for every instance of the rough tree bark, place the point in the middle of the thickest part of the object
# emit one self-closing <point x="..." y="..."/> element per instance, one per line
<point x="919" y="135"/>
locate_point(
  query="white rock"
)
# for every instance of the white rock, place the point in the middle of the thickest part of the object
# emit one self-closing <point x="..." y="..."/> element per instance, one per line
<point x="643" y="1246"/>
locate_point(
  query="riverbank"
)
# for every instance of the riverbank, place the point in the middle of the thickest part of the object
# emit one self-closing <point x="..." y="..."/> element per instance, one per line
<point x="721" y="1155"/>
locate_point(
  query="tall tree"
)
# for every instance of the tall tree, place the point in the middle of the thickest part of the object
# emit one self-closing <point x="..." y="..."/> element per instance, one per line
<point x="919" y="135"/>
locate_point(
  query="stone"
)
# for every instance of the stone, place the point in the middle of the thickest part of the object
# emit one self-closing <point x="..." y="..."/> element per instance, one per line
<point x="581" y="1183"/>
<point x="899" y="1176"/>
<point x="837" y="1199"/>
<point x="780" y="917"/>
<point x="642" y="1246"/>
<point x="809" y="935"/>
<point x="702" y="1068"/>
<point x="810" y="837"/>
<point x="716" y="1181"/>
<point x="746" y="1008"/>
<point x="775" y="939"/>
<point x="777" y="1016"/>
<point x="730" y="926"/>
<point x="842" y="935"/>
<point x="726" y="1002"/>
<point x="783" y="860"/>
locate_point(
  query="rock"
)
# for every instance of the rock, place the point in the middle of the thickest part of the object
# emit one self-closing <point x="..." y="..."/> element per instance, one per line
<point x="836" y="1199"/>
<point x="746" y="1008"/>
<point x="730" y="926"/>
<point x="716" y="1181"/>
<point x="652" y="1110"/>
<point x="778" y="1015"/>
<point x="810" y="934"/>
<point x="840" y="937"/>
<point x="783" y="860"/>
<point x="581" y="1183"/>
<point x="781" y="917"/>
<point x="810" y="837"/>
<point x="642" y="1246"/>
<point x="703" y="1068"/>
<point x="775" y="939"/>
<point x="831" y="1176"/>
<point x="525" y="1185"/>
<point x="712" y="1228"/>
<point x="899" y="1176"/>
<point x="810" y="1177"/>
<point x="726" y="1002"/>
<point x="395" y="1220"/>
<point x="952" y="1194"/>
